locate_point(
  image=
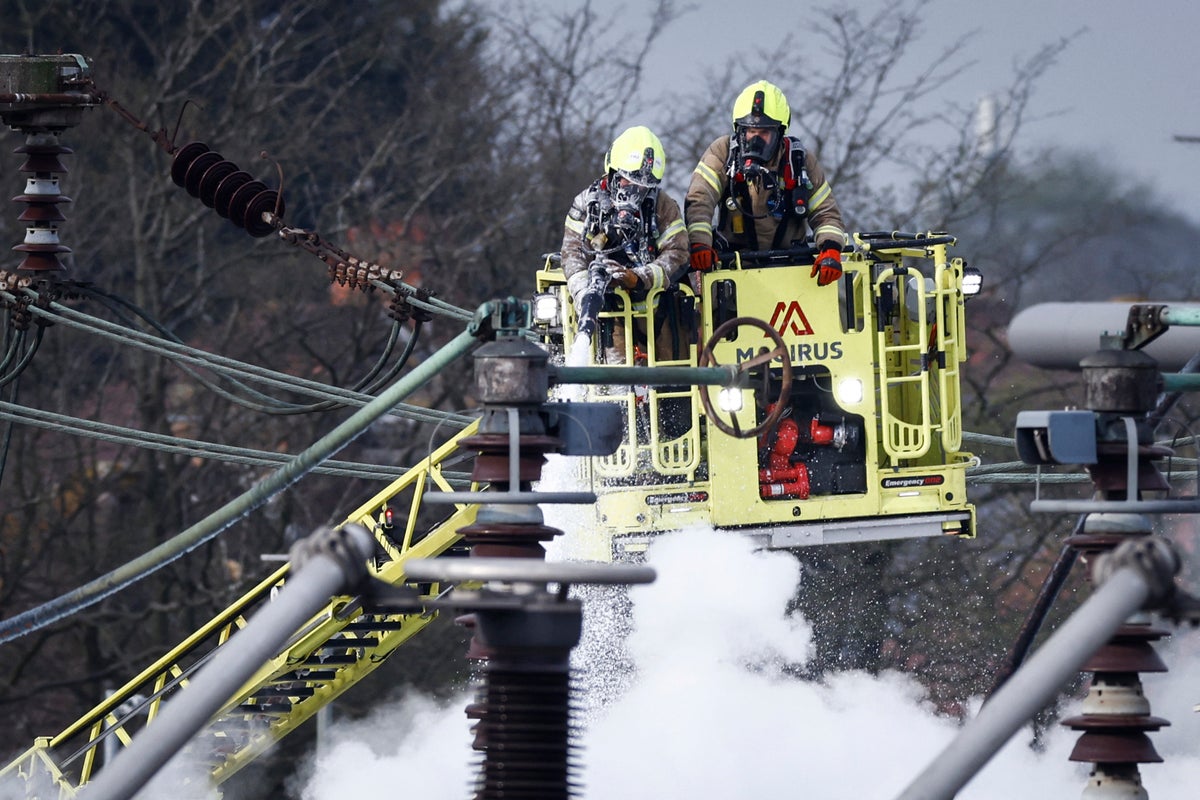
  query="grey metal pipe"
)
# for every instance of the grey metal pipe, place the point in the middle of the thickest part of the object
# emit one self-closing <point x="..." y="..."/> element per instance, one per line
<point x="1185" y="315"/>
<point x="1180" y="382"/>
<point x="650" y="376"/>
<point x="333" y="562"/>
<point x="1034" y="685"/>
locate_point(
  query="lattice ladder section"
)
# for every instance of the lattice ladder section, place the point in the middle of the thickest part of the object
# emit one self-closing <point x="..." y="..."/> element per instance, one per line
<point x="898" y="346"/>
<point x="951" y="341"/>
<point x="677" y="454"/>
<point x="666" y="452"/>
<point x="336" y="649"/>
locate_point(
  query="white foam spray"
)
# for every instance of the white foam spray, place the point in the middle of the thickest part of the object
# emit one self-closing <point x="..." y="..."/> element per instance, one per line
<point x="581" y="351"/>
<point x="419" y="744"/>
<point x="697" y="702"/>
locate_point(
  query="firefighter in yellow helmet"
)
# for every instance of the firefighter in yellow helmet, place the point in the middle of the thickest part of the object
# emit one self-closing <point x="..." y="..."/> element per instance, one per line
<point x="624" y="230"/>
<point x="764" y="187"/>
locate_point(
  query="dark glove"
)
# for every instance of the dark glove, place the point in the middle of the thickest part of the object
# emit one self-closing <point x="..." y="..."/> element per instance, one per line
<point x="625" y="278"/>
<point x="828" y="267"/>
<point x="704" y="257"/>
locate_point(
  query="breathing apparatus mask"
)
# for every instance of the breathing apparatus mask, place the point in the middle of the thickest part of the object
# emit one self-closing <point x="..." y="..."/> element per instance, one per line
<point x="755" y="151"/>
<point x="759" y="143"/>
<point x="629" y="190"/>
<point x="617" y="217"/>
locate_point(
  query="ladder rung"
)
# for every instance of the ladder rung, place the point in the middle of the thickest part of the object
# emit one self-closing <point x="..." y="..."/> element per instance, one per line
<point x="380" y="625"/>
<point x="331" y="658"/>
<point x="309" y="676"/>
<point x="360" y="643"/>
<point x="281" y="691"/>
<point x="265" y="708"/>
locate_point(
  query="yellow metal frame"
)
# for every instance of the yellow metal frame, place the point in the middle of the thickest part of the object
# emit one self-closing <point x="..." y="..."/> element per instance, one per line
<point x="336" y="649"/>
<point x="906" y="382"/>
<point x="678" y="456"/>
<point x="908" y="363"/>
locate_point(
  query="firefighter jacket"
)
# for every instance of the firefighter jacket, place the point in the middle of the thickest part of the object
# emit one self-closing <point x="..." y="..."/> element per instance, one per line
<point x="654" y="246"/>
<point x="756" y="227"/>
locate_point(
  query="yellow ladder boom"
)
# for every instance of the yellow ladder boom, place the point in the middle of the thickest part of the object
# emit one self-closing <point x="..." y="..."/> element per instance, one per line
<point x="332" y="652"/>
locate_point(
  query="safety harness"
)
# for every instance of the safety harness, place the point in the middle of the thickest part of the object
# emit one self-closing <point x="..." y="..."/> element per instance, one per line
<point x="608" y="232"/>
<point x="787" y="193"/>
<point x="605" y="233"/>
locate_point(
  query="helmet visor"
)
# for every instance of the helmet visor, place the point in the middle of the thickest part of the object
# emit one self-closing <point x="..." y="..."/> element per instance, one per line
<point x="759" y="143"/>
<point x="629" y="189"/>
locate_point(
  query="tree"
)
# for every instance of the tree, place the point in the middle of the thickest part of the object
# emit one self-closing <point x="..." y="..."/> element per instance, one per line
<point x="247" y="76"/>
<point x="415" y="153"/>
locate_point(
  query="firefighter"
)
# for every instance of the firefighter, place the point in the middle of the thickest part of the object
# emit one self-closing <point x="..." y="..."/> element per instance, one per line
<point x="766" y="189"/>
<point x="623" y="230"/>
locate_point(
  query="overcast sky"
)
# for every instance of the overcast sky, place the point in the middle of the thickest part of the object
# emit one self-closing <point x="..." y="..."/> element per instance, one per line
<point x="1123" y="89"/>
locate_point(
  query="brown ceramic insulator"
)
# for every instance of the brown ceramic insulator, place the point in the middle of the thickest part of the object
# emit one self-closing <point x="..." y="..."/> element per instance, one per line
<point x="220" y="185"/>
<point x="42" y="215"/>
<point x="494" y="467"/>
<point x="499" y="442"/>
<point x="226" y="189"/>
<point x="509" y="550"/>
<point x="212" y="179"/>
<point x="1115" y="747"/>
<point x="492" y="464"/>
<point x="41" y="256"/>
<point x="526" y="727"/>
<point x="474" y="710"/>
<point x="41" y="199"/>
<point x="479" y="741"/>
<point x="252" y="217"/>
<point x="41" y="261"/>
<point x="43" y="250"/>
<point x="477" y="710"/>
<point x="43" y="158"/>
<point x="1116" y="451"/>
<point x="184" y="157"/>
<point x="1113" y="477"/>
<point x="1116" y="716"/>
<point x="42" y="212"/>
<point x="507" y="539"/>
<point x="1111" y="472"/>
<point x="1128" y="651"/>
<point x="1116" y="723"/>
<point x="239" y="201"/>
<point x="196" y="170"/>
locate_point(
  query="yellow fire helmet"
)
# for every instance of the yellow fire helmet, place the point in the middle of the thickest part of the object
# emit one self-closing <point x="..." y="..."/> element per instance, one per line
<point x="761" y="105"/>
<point x="637" y="155"/>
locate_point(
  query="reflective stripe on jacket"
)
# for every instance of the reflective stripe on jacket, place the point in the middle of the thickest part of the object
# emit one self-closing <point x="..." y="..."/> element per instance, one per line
<point x="709" y="188"/>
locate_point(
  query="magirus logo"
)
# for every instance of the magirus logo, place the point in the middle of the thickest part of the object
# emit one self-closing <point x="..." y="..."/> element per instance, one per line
<point x="789" y="318"/>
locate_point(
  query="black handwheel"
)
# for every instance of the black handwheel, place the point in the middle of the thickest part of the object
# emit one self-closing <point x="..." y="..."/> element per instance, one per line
<point x="707" y="359"/>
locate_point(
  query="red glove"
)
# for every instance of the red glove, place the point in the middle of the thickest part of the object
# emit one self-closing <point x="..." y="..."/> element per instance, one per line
<point x="704" y="257"/>
<point x="828" y="267"/>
